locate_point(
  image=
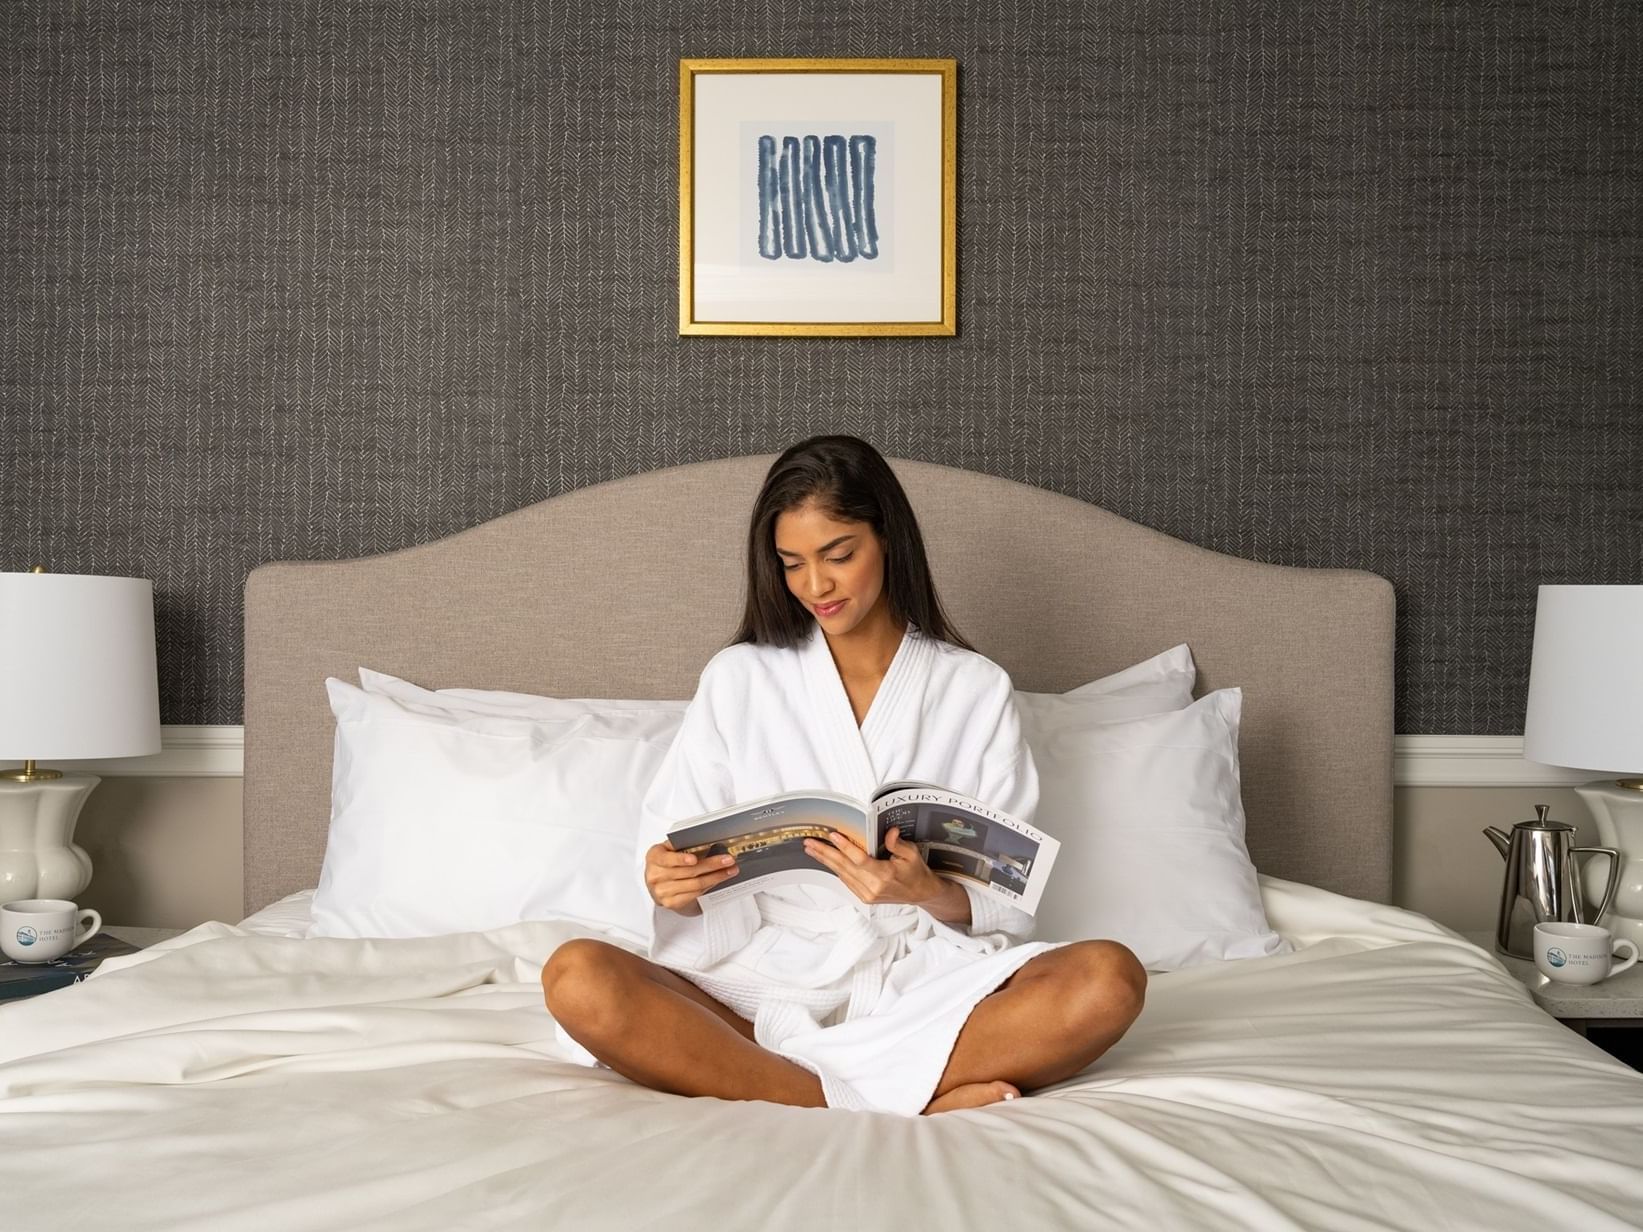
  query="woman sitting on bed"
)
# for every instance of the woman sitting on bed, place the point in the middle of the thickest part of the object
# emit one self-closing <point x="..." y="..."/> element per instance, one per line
<point x="917" y="994"/>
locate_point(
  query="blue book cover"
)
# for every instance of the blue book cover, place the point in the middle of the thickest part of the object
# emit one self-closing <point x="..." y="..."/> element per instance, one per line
<point x="28" y="979"/>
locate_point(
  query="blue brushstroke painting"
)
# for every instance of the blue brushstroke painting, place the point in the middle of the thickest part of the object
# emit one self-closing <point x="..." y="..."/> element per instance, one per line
<point x="816" y="198"/>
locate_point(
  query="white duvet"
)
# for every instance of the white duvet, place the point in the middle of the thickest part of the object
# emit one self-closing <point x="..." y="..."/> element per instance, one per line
<point x="1388" y="1075"/>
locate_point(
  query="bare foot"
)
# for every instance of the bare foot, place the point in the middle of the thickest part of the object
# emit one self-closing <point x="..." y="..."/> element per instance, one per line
<point x="972" y="1095"/>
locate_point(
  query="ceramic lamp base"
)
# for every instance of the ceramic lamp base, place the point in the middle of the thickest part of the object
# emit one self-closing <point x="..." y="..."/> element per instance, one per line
<point x="1618" y="812"/>
<point x="38" y="857"/>
<point x="1625" y="926"/>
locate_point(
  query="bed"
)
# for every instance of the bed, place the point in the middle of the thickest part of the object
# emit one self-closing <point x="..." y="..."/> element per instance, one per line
<point x="1386" y="1074"/>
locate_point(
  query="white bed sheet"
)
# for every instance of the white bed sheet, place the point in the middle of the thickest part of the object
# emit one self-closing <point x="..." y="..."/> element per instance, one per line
<point x="1387" y="1075"/>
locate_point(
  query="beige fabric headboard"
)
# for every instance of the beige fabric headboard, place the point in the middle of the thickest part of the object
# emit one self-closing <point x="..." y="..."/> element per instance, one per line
<point x="626" y="589"/>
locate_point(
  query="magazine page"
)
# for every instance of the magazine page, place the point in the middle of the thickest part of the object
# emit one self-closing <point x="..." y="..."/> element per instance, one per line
<point x="966" y="840"/>
<point x="767" y="838"/>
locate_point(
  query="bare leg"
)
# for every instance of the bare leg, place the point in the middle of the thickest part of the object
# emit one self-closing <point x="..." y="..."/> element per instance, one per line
<point x="1048" y="1021"/>
<point x="662" y="1031"/>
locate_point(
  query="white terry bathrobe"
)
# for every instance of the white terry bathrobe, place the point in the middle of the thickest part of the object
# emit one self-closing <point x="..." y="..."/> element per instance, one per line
<point x="869" y="998"/>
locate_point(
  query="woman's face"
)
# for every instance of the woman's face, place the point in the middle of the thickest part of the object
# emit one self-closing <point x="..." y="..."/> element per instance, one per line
<point x="836" y="569"/>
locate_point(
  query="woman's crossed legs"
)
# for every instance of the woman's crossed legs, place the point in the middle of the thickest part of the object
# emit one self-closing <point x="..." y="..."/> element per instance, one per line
<point x="1054" y="1016"/>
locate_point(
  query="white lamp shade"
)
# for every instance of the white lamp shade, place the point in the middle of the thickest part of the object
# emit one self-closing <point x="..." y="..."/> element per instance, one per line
<point x="1586" y="679"/>
<point x="77" y="677"/>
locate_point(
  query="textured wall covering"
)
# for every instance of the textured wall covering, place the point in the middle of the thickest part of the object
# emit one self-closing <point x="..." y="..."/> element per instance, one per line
<point x="1329" y="284"/>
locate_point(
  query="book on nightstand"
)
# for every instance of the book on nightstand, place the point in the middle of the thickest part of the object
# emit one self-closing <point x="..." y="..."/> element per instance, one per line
<point x="30" y="979"/>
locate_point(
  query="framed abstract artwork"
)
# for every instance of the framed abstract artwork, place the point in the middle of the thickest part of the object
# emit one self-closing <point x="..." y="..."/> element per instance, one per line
<point x="818" y="197"/>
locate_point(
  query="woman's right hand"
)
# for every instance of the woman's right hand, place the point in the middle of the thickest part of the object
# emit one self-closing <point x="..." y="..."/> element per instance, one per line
<point x="676" y="879"/>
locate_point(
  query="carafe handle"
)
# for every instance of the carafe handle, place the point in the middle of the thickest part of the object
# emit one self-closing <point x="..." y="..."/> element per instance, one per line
<point x="1614" y="878"/>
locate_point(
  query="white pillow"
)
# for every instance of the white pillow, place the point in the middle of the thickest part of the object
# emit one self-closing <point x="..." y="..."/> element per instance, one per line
<point x="445" y="820"/>
<point x="501" y="702"/>
<point x="289" y="917"/>
<point x="1152" y="833"/>
<point x="1163" y="682"/>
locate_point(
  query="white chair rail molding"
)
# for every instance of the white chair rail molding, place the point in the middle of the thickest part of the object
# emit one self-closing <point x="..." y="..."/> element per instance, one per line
<point x="1420" y="760"/>
<point x="218" y="751"/>
<point x="80" y="683"/>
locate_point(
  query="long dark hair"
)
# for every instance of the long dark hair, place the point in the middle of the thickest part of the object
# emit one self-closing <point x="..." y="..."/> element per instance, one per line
<point x="853" y="483"/>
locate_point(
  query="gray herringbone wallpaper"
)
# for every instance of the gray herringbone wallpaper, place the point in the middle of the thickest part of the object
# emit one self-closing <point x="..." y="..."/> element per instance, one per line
<point x="1348" y="284"/>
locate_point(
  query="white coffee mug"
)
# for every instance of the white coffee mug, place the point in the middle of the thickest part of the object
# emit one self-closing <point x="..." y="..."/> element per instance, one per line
<point x="1579" y="953"/>
<point x="37" y="930"/>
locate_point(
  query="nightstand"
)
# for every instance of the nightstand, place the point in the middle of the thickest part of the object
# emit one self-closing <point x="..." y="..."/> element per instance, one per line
<point x="1608" y="1013"/>
<point x="142" y="938"/>
<point x="20" y="980"/>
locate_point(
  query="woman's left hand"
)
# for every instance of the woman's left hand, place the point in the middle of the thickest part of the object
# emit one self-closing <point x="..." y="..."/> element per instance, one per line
<point x="901" y="877"/>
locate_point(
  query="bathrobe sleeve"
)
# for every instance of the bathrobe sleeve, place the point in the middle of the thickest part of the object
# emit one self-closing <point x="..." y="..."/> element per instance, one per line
<point x="695" y="777"/>
<point x="1009" y="781"/>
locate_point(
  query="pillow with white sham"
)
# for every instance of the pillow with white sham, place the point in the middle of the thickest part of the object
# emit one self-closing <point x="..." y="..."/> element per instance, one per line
<point x="287" y="917"/>
<point x="1163" y="682"/>
<point x="1151" y="826"/>
<point x="444" y="821"/>
<point x="502" y="702"/>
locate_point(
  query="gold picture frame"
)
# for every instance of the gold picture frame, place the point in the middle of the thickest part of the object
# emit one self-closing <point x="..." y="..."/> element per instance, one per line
<point x="781" y="286"/>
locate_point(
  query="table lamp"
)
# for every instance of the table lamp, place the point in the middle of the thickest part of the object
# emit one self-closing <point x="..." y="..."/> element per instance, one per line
<point x="1586" y="711"/>
<point x="78" y="681"/>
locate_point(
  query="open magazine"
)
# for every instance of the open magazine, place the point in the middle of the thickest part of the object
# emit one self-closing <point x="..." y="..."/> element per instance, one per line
<point x="960" y="838"/>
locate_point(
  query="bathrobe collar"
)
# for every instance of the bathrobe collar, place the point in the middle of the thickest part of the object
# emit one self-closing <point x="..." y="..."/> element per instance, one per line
<point x="893" y="715"/>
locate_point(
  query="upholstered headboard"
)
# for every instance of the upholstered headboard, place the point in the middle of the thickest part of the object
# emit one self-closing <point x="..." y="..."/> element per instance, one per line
<point x="626" y="589"/>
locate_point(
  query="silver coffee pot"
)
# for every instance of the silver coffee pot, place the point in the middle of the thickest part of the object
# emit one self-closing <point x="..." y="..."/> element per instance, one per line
<point x="1542" y="882"/>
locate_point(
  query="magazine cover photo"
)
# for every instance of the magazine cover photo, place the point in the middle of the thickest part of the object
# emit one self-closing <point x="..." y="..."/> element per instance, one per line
<point x="959" y="844"/>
